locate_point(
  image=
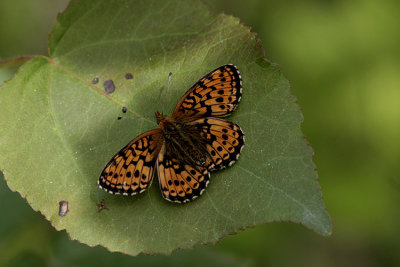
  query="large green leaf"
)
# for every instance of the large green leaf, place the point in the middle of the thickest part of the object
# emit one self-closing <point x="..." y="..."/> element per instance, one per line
<point x="59" y="129"/>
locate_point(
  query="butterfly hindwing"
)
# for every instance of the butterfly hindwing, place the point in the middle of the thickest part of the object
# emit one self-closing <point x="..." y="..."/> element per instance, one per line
<point x="216" y="94"/>
<point x="224" y="140"/>
<point x="131" y="170"/>
<point x="180" y="182"/>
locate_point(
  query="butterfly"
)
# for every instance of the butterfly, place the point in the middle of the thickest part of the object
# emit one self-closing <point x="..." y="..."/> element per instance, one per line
<point x="188" y="145"/>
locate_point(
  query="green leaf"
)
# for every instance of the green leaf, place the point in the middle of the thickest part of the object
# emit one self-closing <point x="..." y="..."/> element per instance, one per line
<point x="59" y="129"/>
<point x="26" y="238"/>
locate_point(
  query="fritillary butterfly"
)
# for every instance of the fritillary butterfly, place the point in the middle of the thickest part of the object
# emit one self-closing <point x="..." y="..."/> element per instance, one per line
<point x="187" y="146"/>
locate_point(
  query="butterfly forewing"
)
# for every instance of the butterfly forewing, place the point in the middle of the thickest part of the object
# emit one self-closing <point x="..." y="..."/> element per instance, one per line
<point x="216" y="94"/>
<point x="131" y="170"/>
<point x="180" y="182"/>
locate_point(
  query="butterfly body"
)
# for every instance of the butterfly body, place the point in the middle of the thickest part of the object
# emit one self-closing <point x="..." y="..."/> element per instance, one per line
<point x="187" y="146"/>
<point x="182" y="141"/>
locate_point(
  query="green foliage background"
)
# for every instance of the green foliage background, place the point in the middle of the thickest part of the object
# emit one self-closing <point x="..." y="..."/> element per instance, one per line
<point x="342" y="60"/>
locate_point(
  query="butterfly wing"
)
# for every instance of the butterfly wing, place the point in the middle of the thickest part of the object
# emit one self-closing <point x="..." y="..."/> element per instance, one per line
<point x="180" y="182"/>
<point x="216" y="94"/>
<point x="131" y="170"/>
<point x="224" y="141"/>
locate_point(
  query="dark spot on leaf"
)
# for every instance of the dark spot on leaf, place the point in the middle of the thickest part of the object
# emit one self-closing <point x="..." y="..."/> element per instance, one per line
<point x="63" y="208"/>
<point x="95" y="80"/>
<point x="109" y="86"/>
<point x="128" y="76"/>
<point x="124" y="109"/>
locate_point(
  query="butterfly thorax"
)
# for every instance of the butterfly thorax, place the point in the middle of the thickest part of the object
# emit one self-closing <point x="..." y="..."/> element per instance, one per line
<point x="183" y="141"/>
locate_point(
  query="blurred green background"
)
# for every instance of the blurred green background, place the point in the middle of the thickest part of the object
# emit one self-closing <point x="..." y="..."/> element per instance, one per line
<point x="343" y="62"/>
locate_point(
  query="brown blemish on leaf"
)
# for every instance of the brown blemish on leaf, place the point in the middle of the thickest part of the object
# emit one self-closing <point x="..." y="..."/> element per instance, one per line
<point x="63" y="208"/>
<point x="101" y="206"/>
<point x="128" y="76"/>
<point x="109" y="86"/>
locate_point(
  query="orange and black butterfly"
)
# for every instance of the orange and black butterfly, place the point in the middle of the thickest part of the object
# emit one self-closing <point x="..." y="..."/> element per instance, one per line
<point x="187" y="146"/>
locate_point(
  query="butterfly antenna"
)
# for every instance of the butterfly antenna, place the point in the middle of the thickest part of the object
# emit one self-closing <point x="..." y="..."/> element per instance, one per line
<point x="165" y="94"/>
